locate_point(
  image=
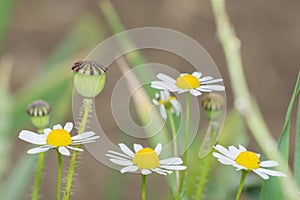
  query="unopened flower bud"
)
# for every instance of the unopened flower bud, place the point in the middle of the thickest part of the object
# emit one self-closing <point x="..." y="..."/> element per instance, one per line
<point x="213" y="105"/>
<point x="89" y="78"/>
<point x="39" y="112"/>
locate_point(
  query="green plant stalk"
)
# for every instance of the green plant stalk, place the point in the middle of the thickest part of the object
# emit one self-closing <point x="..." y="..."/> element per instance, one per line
<point x="87" y="103"/>
<point x="175" y="148"/>
<point x="144" y="187"/>
<point x="214" y="128"/>
<point x="248" y="107"/>
<point x="59" y="173"/>
<point x="186" y="143"/>
<point x="243" y="178"/>
<point x="297" y="148"/>
<point x="39" y="173"/>
<point x="203" y="175"/>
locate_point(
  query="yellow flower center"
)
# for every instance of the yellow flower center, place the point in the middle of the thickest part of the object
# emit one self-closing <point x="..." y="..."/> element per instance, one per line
<point x="187" y="81"/>
<point x="248" y="159"/>
<point x="59" y="138"/>
<point x="146" y="159"/>
<point x="166" y="103"/>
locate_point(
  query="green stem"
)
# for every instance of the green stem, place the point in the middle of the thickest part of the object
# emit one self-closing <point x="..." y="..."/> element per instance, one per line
<point x="239" y="192"/>
<point x="210" y="141"/>
<point x="175" y="148"/>
<point x="87" y="103"/>
<point x="203" y="176"/>
<point x="39" y="173"/>
<point x="59" y="173"/>
<point x="183" y="173"/>
<point x="144" y="187"/>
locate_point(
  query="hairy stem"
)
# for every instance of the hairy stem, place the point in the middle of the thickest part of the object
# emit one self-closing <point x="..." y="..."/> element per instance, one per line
<point x="59" y="173"/>
<point x="186" y="143"/>
<point x="87" y="103"/>
<point x="175" y="148"/>
<point x="39" y="173"/>
<point x="213" y="131"/>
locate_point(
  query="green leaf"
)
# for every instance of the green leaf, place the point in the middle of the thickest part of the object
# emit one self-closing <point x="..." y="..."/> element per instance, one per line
<point x="272" y="188"/>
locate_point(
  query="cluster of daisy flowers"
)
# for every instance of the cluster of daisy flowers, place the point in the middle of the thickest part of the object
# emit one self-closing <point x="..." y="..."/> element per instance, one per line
<point x="143" y="160"/>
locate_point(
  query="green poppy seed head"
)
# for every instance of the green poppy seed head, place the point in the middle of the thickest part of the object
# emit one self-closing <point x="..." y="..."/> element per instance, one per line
<point x="39" y="112"/>
<point x="89" y="78"/>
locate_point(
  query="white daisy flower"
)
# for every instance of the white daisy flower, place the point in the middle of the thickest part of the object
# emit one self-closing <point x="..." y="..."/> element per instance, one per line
<point x="57" y="138"/>
<point x="194" y="83"/>
<point x="166" y="101"/>
<point x="246" y="160"/>
<point x="145" y="160"/>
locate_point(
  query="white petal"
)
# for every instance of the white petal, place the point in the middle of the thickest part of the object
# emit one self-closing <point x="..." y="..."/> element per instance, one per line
<point x="119" y="154"/>
<point x="163" y="111"/>
<point x="224" y="151"/>
<point x="37" y="150"/>
<point x="74" y="148"/>
<point x="32" y="137"/>
<point x="176" y="106"/>
<point x="155" y="102"/>
<point x="164" y="85"/>
<point x="242" y="148"/>
<point x="180" y="91"/>
<point x="146" y="171"/>
<point x="126" y="150"/>
<point x="47" y="131"/>
<point x="203" y="89"/>
<point x="79" y="141"/>
<point x="223" y="159"/>
<point x="271" y="172"/>
<point x="137" y="147"/>
<point x="84" y="136"/>
<point x="121" y="162"/>
<point x="159" y="172"/>
<point x="195" y="92"/>
<point x="171" y="161"/>
<point x="158" y="149"/>
<point x="156" y="95"/>
<point x="197" y="74"/>
<point x="179" y="167"/>
<point x="115" y="157"/>
<point x="57" y="126"/>
<point x="205" y="78"/>
<point x="166" y="78"/>
<point x="213" y="87"/>
<point x="165" y="95"/>
<point x="268" y="163"/>
<point x="68" y="127"/>
<point x="211" y="81"/>
<point x="64" y="151"/>
<point x="132" y="168"/>
<point x="163" y="170"/>
<point x="234" y="151"/>
<point x="261" y="174"/>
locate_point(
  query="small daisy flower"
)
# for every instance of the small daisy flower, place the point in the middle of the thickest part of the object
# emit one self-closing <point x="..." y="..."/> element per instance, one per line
<point x="57" y="138"/>
<point x="246" y="160"/>
<point x="145" y="160"/>
<point x="166" y="101"/>
<point x="194" y="83"/>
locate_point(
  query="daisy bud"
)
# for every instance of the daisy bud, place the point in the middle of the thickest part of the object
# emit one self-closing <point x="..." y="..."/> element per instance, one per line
<point x="89" y="78"/>
<point x="213" y="104"/>
<point x="39" y="112"/>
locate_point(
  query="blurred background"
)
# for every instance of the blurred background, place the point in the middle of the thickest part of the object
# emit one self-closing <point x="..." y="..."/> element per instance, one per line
<point x="43" y="38"/>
